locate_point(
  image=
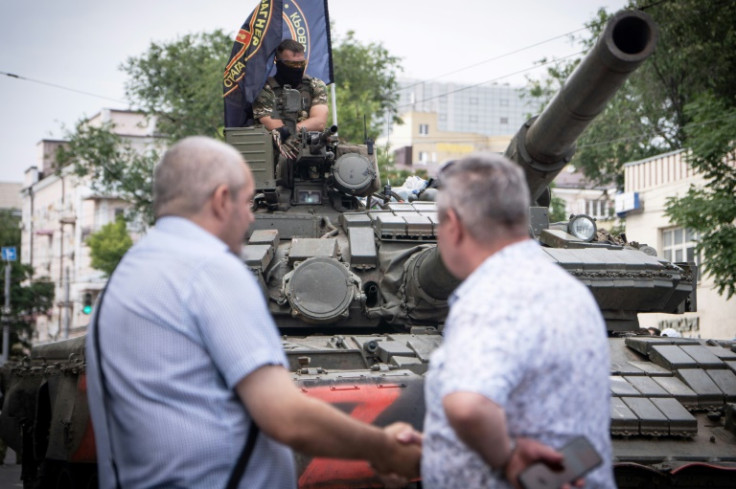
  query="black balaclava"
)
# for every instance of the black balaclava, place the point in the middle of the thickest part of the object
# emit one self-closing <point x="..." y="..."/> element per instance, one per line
<point x="287" y="75"/>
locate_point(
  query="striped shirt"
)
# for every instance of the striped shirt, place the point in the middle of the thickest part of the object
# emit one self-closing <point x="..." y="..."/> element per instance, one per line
<point x="182" y="322"/>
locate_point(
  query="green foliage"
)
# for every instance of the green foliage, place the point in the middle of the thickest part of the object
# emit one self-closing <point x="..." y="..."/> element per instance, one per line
<point x="711" y="210"/>
<point x="114" y="165"/>
<point x="28" y="298"/>
<point x="108" y="245"/>
<point x="9" y="228"/>
<point x="684" y="96"/>
<point x="366" y="87"/>
<point x="695" y="53"/>
<point x="557" y="209"/>
<point x="180" y="83"/>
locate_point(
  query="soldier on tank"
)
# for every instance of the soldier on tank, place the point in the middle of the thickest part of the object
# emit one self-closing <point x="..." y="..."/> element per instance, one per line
<point x="291" y="102"/>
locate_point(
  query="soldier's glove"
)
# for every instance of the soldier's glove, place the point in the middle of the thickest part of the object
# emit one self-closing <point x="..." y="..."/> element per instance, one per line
<point x="288" y="149"/>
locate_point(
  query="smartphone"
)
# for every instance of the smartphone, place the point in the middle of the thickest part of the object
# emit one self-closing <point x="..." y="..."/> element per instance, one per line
<point x="580" y="458"/>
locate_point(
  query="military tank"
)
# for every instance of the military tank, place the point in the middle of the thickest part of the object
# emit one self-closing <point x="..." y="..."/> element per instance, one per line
<point x="356" y="285"/>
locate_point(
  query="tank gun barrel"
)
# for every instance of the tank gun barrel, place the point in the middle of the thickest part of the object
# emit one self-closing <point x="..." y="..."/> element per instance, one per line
<point x="545" y="144"/>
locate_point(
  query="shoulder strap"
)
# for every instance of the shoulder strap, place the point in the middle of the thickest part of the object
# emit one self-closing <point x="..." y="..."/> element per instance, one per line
<point x="103" y="383"/>
<point x="242" y="463"/>
<point x="250" y="443"/>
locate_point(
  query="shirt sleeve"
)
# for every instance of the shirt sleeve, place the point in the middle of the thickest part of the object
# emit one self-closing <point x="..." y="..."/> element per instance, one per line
<point x="319" y="92"/>
<point x="234" y="322"/>
<point x="264" y="103"/>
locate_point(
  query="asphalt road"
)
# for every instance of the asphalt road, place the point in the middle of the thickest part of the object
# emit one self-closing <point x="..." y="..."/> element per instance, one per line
<point x="10" y="472"/>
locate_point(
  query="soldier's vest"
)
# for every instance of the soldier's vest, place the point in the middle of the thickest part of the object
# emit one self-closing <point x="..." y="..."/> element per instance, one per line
<point x="292" y="105"/>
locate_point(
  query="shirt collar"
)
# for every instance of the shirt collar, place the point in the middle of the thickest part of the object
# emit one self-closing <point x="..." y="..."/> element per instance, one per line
<point x="184" y="228"/>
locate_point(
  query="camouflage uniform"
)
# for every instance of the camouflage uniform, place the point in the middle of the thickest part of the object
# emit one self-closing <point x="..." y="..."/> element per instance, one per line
<point x="265" y="103"/>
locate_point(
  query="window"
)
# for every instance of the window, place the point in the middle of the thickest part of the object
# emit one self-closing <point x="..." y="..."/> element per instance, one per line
<point x="424" y="129"/>
<point x="504" y="120"/>
<point x="678" y="244"/>
<point x="423" y="157"/>
<point x="504" y="102"/>
<point x="600" y="208"/>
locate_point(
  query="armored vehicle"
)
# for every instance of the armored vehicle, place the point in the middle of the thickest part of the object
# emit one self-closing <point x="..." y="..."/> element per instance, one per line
<point x="354" y="281"/>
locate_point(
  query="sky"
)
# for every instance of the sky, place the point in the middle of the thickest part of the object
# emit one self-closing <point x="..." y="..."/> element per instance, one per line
<point x="80" y="44"/>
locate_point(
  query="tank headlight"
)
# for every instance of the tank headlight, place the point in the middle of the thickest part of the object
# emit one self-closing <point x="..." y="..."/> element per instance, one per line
<point x="582" y="227"/>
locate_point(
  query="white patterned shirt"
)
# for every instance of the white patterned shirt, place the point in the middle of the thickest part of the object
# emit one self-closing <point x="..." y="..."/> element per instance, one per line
<point x="530" y="337"/>
<point x="182" y="322"/>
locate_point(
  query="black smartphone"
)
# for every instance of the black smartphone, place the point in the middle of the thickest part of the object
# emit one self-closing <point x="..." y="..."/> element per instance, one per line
<point x="580" y="458"/>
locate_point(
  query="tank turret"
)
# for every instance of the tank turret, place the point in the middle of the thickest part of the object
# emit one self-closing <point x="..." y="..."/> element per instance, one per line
<point x="358" y="289"/>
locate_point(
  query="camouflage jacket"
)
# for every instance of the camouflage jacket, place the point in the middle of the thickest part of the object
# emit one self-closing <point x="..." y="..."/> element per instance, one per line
<point x="265" y="103"/>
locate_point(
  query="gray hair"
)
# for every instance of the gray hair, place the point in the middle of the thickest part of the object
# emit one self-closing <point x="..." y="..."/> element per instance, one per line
<point x="489" y="194"/>
<point x="189" y="173"/>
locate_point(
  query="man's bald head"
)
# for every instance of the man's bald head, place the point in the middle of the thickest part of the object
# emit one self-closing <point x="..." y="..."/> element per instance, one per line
<point x="189" y="173"/>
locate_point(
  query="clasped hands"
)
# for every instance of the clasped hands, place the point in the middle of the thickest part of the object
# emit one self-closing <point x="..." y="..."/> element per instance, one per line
<point x="288" y="146"/>
<point x="399" y="465"/>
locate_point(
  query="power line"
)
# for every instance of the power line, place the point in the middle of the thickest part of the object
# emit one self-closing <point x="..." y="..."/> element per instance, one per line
<point x="468" y="87"/>
<point x="54" y="85"/>
<point x="495" y="58"/>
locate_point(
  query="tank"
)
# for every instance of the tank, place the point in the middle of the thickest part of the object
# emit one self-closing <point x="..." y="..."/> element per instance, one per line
<point x="359" y="292"/>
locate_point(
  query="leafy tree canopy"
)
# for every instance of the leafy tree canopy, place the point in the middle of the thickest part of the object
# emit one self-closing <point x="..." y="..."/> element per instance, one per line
<point x="711" y="210"/>
<point x="683" y="97"/>
<point x="695" y="53"/>
<point x="108" y="245"/>
<point x="367" y="89"/>
<point x="180" y="83"/>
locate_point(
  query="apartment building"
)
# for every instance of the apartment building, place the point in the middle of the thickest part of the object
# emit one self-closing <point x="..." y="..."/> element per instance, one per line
<point x="647" y="185"/>
<point x="445" y="121"/>
<point x="59" y="211"/>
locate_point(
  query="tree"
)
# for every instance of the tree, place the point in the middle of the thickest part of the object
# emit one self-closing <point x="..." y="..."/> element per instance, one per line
<point x="28" y="298"/>
<point x="180" y="84"/>
<point x="108" y="245"/>
<point x="695" y="53"/>
<point x="114" y="166"/>
<point x="367" y="89"/>
<point x="711" y="210"/>
<point x="684" y="96"/>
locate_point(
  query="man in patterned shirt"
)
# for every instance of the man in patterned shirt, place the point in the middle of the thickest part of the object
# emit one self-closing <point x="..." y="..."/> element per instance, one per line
<point x="524" y="362"/>
<point x="284" y="120"/>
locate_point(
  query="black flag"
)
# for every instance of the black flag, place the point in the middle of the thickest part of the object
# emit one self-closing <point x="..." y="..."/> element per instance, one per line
<point x="251" y="59"/>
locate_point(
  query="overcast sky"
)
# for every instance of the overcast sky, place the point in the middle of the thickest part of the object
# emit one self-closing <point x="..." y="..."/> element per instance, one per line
<point x="80" y="44"/>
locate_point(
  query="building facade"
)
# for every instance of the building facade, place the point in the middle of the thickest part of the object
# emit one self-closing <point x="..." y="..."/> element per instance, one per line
<point x="10" y="195"/>
<point x="647" y="185"/>
<point x="445" y="121"/>
<point x="582" y="196"/>
<point x="488" y="109"/>
<point x="59" y="211"/>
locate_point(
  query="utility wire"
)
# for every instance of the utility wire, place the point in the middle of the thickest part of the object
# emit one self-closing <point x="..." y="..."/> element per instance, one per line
<point x="468" y="87"/>
<point x="495" y="58"/>
<point x="41" y="82"/>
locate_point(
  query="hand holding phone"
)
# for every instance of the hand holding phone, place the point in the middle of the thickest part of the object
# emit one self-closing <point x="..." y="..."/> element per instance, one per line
<point x="579" y="458"/>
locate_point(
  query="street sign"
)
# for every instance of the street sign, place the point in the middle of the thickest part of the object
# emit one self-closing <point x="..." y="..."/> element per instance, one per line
<point x="9" y="253"/>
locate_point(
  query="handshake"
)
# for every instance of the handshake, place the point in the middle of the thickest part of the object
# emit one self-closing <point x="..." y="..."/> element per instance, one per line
<point x="399" y="463"/>
<point x="288" y="146"/>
